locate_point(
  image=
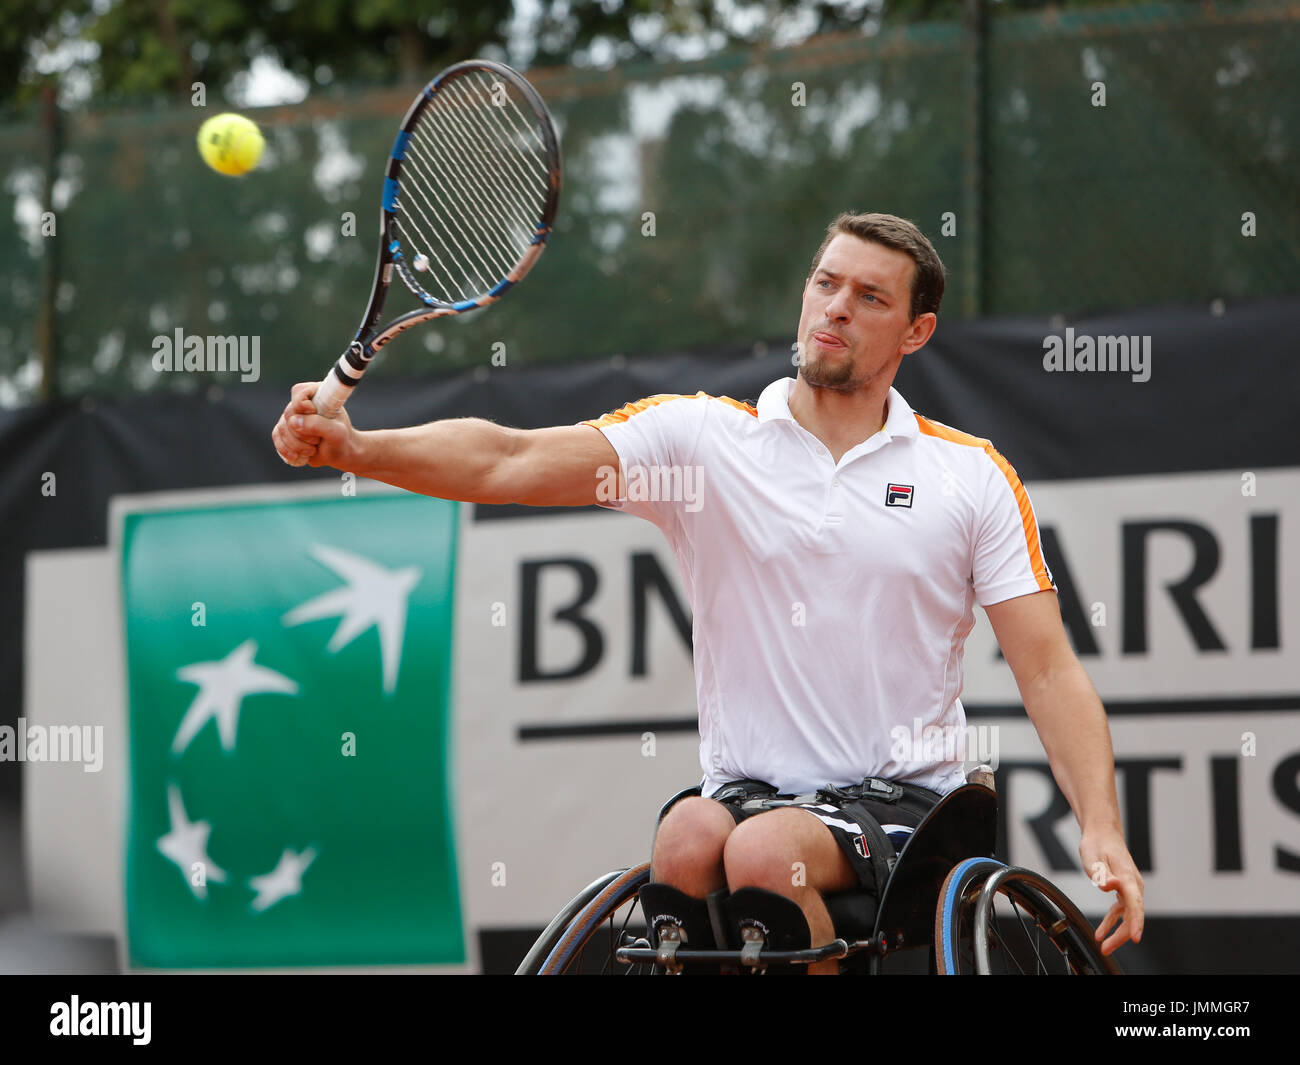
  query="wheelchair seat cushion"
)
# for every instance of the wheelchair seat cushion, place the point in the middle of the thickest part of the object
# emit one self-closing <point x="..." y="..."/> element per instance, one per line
<point x="853" y="914"/>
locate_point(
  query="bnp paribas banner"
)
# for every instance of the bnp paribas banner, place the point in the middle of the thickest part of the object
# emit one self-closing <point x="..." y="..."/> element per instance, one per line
<point x="289" y="669"/>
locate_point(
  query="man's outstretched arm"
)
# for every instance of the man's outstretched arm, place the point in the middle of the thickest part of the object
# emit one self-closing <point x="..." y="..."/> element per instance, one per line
<point x="1065" y="709"/>
<point x="468" y="459"/>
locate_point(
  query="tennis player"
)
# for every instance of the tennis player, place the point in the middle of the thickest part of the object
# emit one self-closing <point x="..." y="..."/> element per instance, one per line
<point x="833" y="560"/>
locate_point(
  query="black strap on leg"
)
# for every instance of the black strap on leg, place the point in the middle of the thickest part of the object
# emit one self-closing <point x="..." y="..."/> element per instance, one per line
<point x="880" y="848"/>
<point x="915" y="800"/>
<point x="853" y="801"/>
<point x="910" y="798"/>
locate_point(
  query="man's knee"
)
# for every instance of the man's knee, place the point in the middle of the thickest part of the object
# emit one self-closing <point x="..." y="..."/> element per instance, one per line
<point x="761" y="854"/>
<point x="785" y="851"/>
<point x="689" y="844"/>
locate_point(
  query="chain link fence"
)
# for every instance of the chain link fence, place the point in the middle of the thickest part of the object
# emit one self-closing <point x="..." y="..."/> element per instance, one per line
<point x="1061" y="163"/>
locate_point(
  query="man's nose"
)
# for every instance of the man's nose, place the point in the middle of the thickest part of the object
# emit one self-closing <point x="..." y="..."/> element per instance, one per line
<point x="841" y="305"/>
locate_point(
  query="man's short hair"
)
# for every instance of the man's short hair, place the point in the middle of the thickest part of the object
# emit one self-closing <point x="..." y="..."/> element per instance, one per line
<point x="901" y="235"/>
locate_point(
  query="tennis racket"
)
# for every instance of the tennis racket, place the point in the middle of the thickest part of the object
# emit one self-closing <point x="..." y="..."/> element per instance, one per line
<point x="470" y="194"/>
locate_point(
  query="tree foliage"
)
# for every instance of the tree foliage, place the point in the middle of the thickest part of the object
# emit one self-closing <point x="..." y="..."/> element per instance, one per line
<point x="161" y="47"/>
<point x="140" y="48"/>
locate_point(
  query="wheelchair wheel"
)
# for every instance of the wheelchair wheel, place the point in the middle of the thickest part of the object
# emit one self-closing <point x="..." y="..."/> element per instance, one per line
<point x="994" y="919"/>
<point x="545" y="943"/>
<point x="610" y="919"/>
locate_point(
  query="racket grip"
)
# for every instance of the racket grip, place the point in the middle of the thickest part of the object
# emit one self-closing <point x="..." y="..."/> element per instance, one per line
<point x="330" y="396"/>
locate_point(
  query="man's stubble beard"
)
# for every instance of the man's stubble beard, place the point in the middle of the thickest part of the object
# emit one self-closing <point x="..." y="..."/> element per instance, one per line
<point x="816" y="373"/>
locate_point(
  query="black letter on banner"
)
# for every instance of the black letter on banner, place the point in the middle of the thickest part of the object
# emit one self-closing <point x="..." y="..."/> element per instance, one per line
<point x="1286" y="786"/>
<point x="1058" y="858"/>
<point x="595" y="643"/>
<point x="1225" y="780"/>
<point x="1204" y="564"/>
<point x="646" y="571"/>
<point x="1136" y="797"/>
<point x="1263" y="582"/>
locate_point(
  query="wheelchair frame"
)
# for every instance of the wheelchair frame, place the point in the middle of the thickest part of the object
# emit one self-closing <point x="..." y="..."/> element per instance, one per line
<point x="937" y="896"/>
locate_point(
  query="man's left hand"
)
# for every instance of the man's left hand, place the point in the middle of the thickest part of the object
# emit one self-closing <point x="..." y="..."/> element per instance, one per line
<point x="1107" y="861"/>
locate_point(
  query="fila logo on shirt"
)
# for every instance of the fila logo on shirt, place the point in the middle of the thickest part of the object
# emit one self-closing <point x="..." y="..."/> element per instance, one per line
<point x="899" y="495"/>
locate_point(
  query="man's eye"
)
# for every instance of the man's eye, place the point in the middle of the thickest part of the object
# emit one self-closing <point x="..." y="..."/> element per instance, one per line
<point x="822" y="283"/>
<point x="869" y="296"/>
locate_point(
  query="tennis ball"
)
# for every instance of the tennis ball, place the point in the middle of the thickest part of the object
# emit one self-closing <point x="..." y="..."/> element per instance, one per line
<point x="230" y="144"/>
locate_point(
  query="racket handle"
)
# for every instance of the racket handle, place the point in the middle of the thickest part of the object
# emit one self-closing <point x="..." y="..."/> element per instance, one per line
<point x="331" y="395"/>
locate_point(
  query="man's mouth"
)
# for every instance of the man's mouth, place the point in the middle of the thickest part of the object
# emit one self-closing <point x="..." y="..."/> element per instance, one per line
<point x="828" y="340"/>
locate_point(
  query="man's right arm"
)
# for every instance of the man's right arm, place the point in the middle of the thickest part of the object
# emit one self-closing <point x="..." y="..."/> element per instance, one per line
<point x="467" y="459"/>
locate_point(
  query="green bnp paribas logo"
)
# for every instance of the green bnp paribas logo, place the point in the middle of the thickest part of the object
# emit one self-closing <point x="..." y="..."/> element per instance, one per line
<point x="289" y="675"/>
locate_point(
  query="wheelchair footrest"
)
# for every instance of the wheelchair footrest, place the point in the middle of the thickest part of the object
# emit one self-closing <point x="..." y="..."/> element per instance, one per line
<point x="747" y="931"/>
<point x="765" y="923"/>
<point x="836" y="948"/>
<point x="675" y="920"/>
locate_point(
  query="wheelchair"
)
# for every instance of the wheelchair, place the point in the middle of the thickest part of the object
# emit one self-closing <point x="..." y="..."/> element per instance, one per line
<point x="945" y="894"/>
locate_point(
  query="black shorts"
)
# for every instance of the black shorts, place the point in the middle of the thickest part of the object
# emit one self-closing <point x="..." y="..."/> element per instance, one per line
<point x="897" y="819"/>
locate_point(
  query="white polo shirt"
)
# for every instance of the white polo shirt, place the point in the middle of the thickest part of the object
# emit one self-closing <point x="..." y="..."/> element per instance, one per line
<point x="831" y="600"/>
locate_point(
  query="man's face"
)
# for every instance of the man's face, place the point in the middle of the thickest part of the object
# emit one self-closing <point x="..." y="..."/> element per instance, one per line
<point x="856" y="315"/>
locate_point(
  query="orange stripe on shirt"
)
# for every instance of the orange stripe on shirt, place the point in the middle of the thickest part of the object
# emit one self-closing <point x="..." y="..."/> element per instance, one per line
<point x="629" y="409"/>
<point x="946" y="432"/>
<point x="748" y="408"/>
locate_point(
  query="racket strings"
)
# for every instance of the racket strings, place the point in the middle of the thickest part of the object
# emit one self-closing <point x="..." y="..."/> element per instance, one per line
<point x="472" y="133"/>
<point x="454" y="240"/>
<point x="471" y="267"/>
<point x="490" y="219"/>
<point x="414" y="237"/>
<point x="473" y="187"/>
<point x="484" y="235"/>
<point x="468" y="151"/>
<point x="521" y="129"/>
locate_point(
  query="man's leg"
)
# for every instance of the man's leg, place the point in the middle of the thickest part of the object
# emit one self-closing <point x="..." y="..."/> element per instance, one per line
<point x="792" y="853"/>
<point x="686" y="868"/>
<point x="688" y="847"/>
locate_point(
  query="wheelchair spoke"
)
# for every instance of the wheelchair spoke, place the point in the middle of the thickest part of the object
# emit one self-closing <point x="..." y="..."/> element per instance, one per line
<point x="1016" y="939"/>
<point x="1002" y="941"/>
<point x="1040" y="969"/>
<point x="624" y="937"/>
<point x="1033" y="938"/>
<point x="617" y="936"/>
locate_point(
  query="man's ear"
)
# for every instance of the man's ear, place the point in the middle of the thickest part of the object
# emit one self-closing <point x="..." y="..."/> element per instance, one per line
<point x="922" y="330"/>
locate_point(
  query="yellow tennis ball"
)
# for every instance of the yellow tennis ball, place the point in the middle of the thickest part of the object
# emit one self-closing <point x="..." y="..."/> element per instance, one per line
<point x="230" y="144"/>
